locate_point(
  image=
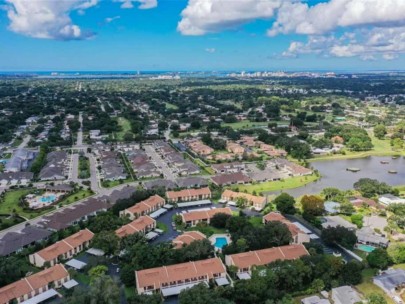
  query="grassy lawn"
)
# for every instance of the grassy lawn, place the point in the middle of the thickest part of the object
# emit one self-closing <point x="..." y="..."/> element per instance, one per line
<point x="126" y="127"/>
<point x="171" y="106"/>
<point x="129" y="291"/>
<point x="289" y="183"/>
<point x="110" y="184"/>
<point x="1" y="168"/>
<point x="367" y="287"/>
<point x="207" y="230"/>
<point x="82" y="278"/>
<point x="256" y="221"/>
<point x="75" y="197"/>
<point x="6" y="221"/>
<point x="381" y="148"/>
<point x="84" y="167"/>
<point x="244" y="124"/>
<point x="10" y="204"/>
<point x="161" y="226"/>
<point x="17" y="142"/>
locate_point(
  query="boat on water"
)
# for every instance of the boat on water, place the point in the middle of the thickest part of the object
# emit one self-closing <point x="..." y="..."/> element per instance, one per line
<point x="392" y="171"/>
<point x="395" y="157"/>
<point x="352" y="169"/>
<point x="384" y="162"/>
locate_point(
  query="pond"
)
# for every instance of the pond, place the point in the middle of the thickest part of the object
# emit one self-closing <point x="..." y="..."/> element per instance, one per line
<point x="334" y="173"/>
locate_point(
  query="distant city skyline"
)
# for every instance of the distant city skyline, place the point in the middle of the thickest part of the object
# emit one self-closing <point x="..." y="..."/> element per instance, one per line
<point x="202" y="35"/>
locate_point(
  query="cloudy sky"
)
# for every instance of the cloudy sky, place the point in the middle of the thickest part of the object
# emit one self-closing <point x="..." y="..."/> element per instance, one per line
<point x="347" y="35"/>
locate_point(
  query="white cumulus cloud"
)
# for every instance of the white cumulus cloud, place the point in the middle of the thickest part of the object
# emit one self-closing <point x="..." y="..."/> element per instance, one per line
<point x="207" y="16"/>
<point x="47" y="19"/>
<point x="143" y="4"/>
<point x="294" y="17"/>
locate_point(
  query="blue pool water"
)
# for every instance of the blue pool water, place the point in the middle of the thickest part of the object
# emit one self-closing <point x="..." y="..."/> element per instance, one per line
<point x="365" y="248"/>
<point x="220" y="242"/>
<point x="47" y="199"/>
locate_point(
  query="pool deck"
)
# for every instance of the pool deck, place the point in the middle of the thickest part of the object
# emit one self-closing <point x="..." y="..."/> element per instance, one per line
<point x="213" y="238"/>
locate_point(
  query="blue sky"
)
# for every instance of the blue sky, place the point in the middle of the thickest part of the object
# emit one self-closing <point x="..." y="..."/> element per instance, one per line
<point x="150" y="39"/>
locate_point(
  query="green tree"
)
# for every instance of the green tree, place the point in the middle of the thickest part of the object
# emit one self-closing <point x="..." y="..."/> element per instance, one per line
<point x="97" y="271"/>
<point x="312" y="205"/>
<point x="379" y="258"/>
<point x="219" y="220"/>
<point x="201" y="294"/>
<point x="340" y="235"/>
<point x="107" y="241"/>
<point x="396" y="252"/>
<point x="376" y="298"/>
<point x="380" y="131"/>
<point x="285" y="203"/>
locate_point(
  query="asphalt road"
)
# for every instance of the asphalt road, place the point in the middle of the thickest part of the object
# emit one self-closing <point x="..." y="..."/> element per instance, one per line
<point x="160" y="163"/>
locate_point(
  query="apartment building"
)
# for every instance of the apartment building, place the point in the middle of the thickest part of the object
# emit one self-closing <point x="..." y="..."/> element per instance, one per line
<point x="34" y="285"/>
<point x="192" y="218"/>
<point x="64" y="249"/>
<point x="188" y="195"/>
<point x="171" y="280"/>
<point x="142" y="225"/>
<point x="145" y="207"/>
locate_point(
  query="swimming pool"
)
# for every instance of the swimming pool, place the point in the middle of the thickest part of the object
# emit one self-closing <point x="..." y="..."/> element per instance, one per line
<point x="220" y="242"/>
<point x="49" y="199"/>
<point x="365" y="248"/>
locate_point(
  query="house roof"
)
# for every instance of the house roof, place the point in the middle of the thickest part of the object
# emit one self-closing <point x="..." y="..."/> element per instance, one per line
<point x="191" y="182"/>
<point x="391" y="278"/>
<point x="204" y="214"/>
<point x="187" y="193"/>
<point x="33" y="282"/>
<point x="267" y="256"/>
<point x="146" y="205"/>
<point x="13" y="241"/>
<point x="278" y="217"/>
<point x="346" y="294"/>
<point x="52" y="252"/>
<point x="230" y="178"/>
<point x="187" y="238"/>
<point x="157" y="276"/>
<point x="63" y="219"/>
<point x="135" y="226"/>
<point x="250" y="198"/>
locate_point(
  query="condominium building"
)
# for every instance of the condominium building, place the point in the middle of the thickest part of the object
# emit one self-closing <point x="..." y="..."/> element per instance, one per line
<point x="64" y="249"/>
<point x="188" y="195"/>
<point x="145" y="207"/>
<point x="171" y="280"/>
<point x="192" y="218"/>
<point x="34" y="285"/>
<point x="142" y="225"/>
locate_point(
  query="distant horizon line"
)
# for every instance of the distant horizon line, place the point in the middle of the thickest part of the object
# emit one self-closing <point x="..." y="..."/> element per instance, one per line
<point x="146" y="71"/>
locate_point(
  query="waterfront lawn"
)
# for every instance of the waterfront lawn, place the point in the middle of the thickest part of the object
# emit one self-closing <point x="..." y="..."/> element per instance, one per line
<point x="289" y="183"/>
<point x="382" y="147"/>
<point x="367" y="287"/>
<point x="125" y="128"/>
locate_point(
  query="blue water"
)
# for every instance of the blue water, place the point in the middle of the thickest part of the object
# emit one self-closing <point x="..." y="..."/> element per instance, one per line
<point x="365" y="248"/>
<point x="220" y="242"/>
<point x="48" y="199"/>
<point x="3" y="161"/>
